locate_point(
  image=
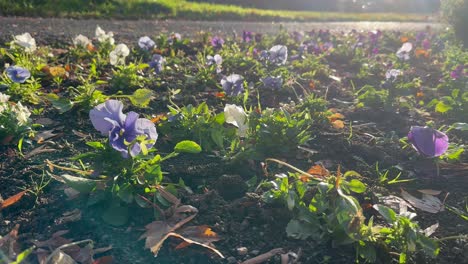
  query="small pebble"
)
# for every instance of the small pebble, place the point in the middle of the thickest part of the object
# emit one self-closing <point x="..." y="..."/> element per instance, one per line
<point x="242" y="251"/>
<point x="255" y="252"/>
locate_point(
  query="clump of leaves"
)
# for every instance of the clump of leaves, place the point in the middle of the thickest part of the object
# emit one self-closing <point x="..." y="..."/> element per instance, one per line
<point x="325" y="209"/>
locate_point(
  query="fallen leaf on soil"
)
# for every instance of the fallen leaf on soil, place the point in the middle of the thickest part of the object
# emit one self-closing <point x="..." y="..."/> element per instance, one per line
<point x="104" y="260"/>
<point x="79" y="134"/>
<point x="158" y="231"/>
<point x="71" y="216"/>
<point x="45" y="135"/>
<point x="12" y="200"/>
<point x="70" y="192"/>
<point x="430" y="192"/>
<point x="427" y="203"/>
<point x="316" y="170"/>
<point x="9" y="244"/>
<point x="263" y="257"/>
<point x="39" y="150"/>
<point x="395" y="202"/>
<point x="430" y="230"/>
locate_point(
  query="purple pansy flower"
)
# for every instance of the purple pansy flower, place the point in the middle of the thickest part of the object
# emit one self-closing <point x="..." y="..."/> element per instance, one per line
<point x="146" y="43"/>
<point x="18" y="74"/>
<point x="428" y="141"/>
<point x="274" y="83"/>
<point x="258" y="37"/>
<point x="217" y="42"/>
<point x="157" y="63"/>
<point x="298" y="36"/>
<point x="121" y="128"/>
<point x="247" y="36"/>
<point x="233" y="84"/>
<point x="426" y="44"/>
<point x="458" y="72"/>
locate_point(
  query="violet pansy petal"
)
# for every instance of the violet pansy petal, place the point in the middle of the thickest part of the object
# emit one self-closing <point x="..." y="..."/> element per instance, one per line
<point x="428" y="141"/>
<point x="110" y="110"/>
<point x="145" y="126"/>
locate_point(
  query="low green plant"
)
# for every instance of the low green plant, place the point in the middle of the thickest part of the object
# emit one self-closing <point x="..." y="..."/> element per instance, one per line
<point x="325" y="209"/>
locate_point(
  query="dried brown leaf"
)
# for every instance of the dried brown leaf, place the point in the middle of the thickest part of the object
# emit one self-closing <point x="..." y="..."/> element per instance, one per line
<point x="12" y="200"/>
<point x="9" y="244"/>
<point x="427" y="203"/>
<point x="430" y="192"/>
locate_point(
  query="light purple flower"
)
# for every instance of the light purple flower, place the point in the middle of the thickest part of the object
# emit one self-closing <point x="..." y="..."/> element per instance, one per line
<point x="426" y="44"/>
<point x="274" y="83"/>
<point x="121" y="128"/>
<point x="233" y="84"/>
<point x="247" y="36"/>
<point x="404" y="51"/>
<point x="18" y="74"/>
<point x="458" y="72"/>
<point x="146" y="43"/>
<point x="217" y="42"/>
<point x="157" y="63"/>
<point x="428" y="141"/>
<point x="298" y="36"/>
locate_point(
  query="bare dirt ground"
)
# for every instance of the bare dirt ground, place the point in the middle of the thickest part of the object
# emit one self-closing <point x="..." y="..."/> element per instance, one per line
<point x="60" y="29"/>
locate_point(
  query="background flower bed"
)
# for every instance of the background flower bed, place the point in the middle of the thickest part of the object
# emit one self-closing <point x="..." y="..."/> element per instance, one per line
<point x="328" y="69"/>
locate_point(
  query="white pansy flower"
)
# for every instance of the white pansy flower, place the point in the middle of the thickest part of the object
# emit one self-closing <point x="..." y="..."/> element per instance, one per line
<point x="102" y="36"/>
<point x="118" y="55"/>
<point x="81" y="41"/>
<point x="404" y="51"/>
<point x="26" y="41"/>
<point x="278" y="54"/>
<point x="235" y="115"/>
<point x="22" y="114"/>
<point x="4" y="98"/>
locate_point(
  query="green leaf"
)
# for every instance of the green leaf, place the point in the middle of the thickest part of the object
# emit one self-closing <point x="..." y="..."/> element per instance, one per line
<point x="460" y="126"/>
<point x="357" y="186"/>
<point x="300" y="230"/>
<point x="187" y="146"/>
<point x="290" y="201"/>
<point x="429" y="246"/>
<point x="387" y="213"/>
<point x="83" y="185"/>
<point x="116" y="215"/>
<point x="126" y="193"/>
<point x="442" y="107"/>
<point x="96" y="145"/>
<point x="141" y="97"/>
<point x="61" y="104"/>
<point x="23" y="255"/>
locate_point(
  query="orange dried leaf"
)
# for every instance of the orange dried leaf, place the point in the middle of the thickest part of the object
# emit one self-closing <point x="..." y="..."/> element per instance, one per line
<point x="12" y="200"/>
<point x="104" y="260"/>
<point x="158" y="118"/>
<point x="338" y="124"/>
<point x="318" y="170"/>
<point x="421" y="52"/>
<point x="90" y="47"/>
<point x="220" y="94"/>
<point x="312" y="85"/>
<point x="335" y="116"/>
<point x="57" y="71"/>
<point x="182" y="245"/>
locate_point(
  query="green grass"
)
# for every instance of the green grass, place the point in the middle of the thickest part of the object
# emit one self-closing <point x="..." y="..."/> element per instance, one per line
<point x="180" y="9"/>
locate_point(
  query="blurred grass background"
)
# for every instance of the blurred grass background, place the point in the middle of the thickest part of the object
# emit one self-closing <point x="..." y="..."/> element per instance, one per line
<point x="182" y="9"/>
